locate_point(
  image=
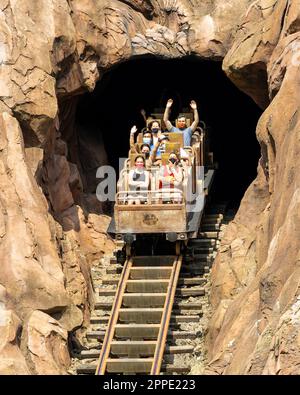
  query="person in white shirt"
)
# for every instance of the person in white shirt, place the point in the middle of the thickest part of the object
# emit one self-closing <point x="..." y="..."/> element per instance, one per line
<point x="138" y="182"/>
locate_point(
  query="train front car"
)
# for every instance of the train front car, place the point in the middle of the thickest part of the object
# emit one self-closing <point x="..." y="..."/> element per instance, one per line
<point x="164" y="213"/>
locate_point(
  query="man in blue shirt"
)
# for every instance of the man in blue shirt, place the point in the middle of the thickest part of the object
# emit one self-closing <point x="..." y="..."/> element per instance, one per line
<point x="181" y="122"/>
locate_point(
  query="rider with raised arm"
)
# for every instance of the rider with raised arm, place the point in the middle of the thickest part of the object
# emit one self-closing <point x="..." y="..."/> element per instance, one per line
<point x="182" y="126"/>
<point x="147" y="139"/>
<point x="151" y="136"/>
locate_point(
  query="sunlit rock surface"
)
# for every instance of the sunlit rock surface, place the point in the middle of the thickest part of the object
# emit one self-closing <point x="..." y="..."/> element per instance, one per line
<point x="52" y="227"/>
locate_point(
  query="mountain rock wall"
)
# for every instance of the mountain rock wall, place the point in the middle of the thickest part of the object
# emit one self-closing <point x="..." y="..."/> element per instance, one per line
<point x="52" y="228"/>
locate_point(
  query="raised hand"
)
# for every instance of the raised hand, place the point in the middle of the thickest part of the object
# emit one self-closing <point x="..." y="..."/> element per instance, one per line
<point x="193" y="104"/>
<point x="169" y="103"/>
<point x="133" y="130"/>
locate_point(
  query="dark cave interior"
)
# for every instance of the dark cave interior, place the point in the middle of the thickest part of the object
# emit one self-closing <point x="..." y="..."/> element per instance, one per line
<point x="108" y="113"/>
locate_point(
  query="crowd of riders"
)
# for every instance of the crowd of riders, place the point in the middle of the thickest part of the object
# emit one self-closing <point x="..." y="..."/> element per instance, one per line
<point x="149" y="154"/>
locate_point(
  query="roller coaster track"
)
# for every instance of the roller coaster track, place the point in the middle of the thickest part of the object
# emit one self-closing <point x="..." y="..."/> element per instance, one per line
<point x="154" y="296"/>
<point x="143" y="290"/>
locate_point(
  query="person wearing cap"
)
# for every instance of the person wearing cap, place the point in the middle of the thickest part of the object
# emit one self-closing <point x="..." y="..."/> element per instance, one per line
<point x="155" y="159"/>
<point x="185" y="161"/>
<point x="181" y="122"/>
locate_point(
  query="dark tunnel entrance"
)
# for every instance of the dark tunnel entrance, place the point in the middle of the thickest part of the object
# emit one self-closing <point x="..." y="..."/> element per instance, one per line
<point x="114" y="107"/>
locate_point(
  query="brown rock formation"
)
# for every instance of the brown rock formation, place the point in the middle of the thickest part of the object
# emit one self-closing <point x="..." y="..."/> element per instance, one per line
<point x="51" y="226"/>
<point x="258" y="282"/>
<point x="45" y="343"/>
<point x="31" y="269"/>
<point x="12" y="360"/>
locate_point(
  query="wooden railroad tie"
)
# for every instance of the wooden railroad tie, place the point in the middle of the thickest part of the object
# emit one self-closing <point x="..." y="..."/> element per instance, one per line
<point x="145" y="295"/>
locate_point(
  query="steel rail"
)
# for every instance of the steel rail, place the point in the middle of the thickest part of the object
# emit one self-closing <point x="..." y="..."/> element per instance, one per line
<point x="109" y="334"/>
<point x="165" y="320"/>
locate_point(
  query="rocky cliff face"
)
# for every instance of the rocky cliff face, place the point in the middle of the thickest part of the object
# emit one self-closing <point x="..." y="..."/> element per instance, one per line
<point x="255" y="328"/>
<point x="51" y="225"/>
